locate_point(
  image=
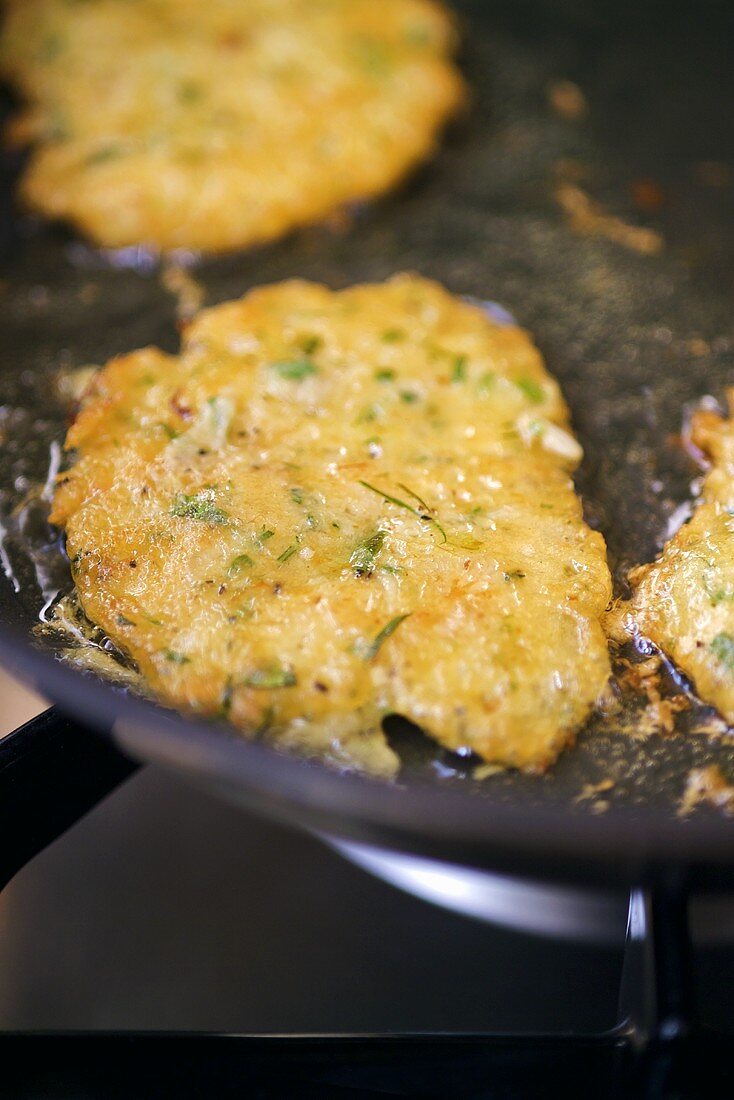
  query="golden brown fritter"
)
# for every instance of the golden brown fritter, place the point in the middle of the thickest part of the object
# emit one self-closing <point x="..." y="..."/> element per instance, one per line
<point x="684" y="601"/>
<point x="335" y="506"/>
<point x="216" y="124"/>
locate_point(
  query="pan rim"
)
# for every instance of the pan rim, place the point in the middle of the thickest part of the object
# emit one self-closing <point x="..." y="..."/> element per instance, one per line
<point x="305" y="793"/>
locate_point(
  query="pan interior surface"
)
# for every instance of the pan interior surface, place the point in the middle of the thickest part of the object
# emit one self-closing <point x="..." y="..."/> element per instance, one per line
<point x="634" y="327"/>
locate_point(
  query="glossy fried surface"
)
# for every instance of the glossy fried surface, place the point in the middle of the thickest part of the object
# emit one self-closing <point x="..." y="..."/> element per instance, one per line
<point x="216" y="124"/>
<point x="335" y="506"/>
<point x="684" y="601"/>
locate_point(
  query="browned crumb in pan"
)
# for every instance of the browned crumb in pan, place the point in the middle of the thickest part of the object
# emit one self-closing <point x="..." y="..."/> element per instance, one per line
<point x="588" y="217"/>
<point x="707" y="786"/>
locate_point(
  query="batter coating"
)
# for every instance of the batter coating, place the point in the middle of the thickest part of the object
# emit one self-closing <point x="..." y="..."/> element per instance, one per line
<point x="217" y="124"/>
<point x="335" y="506"/>
<point x="684" y="601"/>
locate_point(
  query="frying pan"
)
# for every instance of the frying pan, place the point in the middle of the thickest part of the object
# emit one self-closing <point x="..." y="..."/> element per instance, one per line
<point x="632" y="337"/>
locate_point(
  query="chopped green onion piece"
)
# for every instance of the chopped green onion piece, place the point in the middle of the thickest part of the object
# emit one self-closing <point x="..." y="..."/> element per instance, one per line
<point x="226" y="704"/>
<point x="385" y="375"/>
<point x="363" y="557"/>
<point x="294" y="370"/>
<point x="273" y="677"/>
<point x="459" y="372"/>
<point x="287" y="553"/>
<point x="243" y="561"/>
<point x="176" y="658"/>
<point x="722" y="648"/>
<point x="102" y="155"/>
<point x="531" y="389"/>
<point x="189" y="92"/>
<point x="368" y="414"/>
<point x="310" y="343"/>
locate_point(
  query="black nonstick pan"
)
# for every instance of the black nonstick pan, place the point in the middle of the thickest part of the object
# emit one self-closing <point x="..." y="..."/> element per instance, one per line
<point x="635" y="327"/>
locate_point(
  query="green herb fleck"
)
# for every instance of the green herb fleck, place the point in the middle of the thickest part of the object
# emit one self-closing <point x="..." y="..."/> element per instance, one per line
<point x="58" y="128"/>
<point x="415" y="496"/>
<point x="310" y="344"/>
<point x="374" y="647"/>
<point x="372" y="55"/>
<point x="363" y="557"/>
<point x="391" y="499"/>
<point x="102" y="155"/>
<point x="418" y="35"/>
<point x="225" y="705"/>
<point x="486" y="381"/>
<point x="409" y="507"/>
<point x="294" y="370"/>
<point x="265" y="534"/>
<point x="716" y="595"/>
<point x="722" y="648"/>
<point x="458" y="373"/>
<point x="408" y="397"/>
<point x="273" y="677"/>
<point x="297" y="496"/>
<point x="514" y="575"/>
<point x="392" y="335"/>
<point x="51" y="46"/>
<point x="425" y="507"/>
<point x="199" y="506"/>
<point x="532" y="390"/>
<point x="385" y="375"/>
<point x="241" y="562"/>
<point x="176" y="658"/>
<point x="189" y="92"/>
<point x="168" y="430"/>
<point x="122" y="620"/>
<point x="287" y="553"/>
<point x="368" y="414"/>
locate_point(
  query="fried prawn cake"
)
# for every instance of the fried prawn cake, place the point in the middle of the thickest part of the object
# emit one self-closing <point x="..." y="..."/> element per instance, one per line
<point x="331" y="507"/>
<point x="213" y="124"/>
<point x="684" y="601"/>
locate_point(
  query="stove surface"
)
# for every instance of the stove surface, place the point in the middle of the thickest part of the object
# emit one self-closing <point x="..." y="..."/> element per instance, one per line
<point x="166" y="909"/>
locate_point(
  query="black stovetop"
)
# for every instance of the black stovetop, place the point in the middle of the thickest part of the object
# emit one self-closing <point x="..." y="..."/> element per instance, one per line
<point x="165" y="909"/>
